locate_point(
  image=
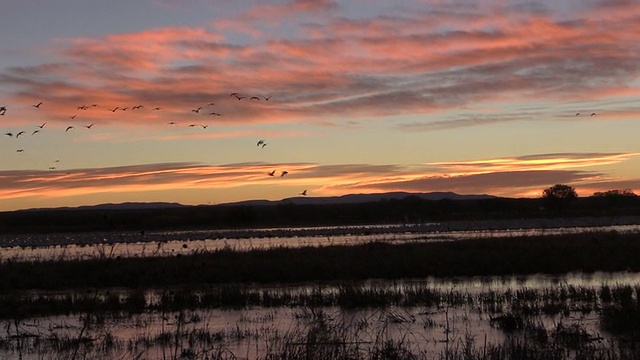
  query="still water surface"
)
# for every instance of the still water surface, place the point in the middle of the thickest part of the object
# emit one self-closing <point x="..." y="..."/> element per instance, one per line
<point x="29" y="247"/>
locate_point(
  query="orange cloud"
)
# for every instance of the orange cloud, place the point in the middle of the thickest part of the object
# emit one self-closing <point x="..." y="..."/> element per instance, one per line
<point x="505" y="176"/>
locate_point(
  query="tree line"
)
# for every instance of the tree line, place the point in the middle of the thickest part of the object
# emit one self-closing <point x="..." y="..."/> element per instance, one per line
<point x="557" y="201"/>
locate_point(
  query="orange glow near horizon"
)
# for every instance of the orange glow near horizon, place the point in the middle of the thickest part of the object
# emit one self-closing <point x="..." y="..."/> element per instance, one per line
<point x="493" y="97"/>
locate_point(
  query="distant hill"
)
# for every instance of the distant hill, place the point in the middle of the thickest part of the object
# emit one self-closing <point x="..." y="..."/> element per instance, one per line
<point x="361" y="198"/>
<point x="119" y="206"/>
<point x="299" y="200"/>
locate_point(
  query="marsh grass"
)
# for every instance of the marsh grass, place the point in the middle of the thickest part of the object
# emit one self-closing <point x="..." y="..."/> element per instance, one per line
<point x="556" y="254"/>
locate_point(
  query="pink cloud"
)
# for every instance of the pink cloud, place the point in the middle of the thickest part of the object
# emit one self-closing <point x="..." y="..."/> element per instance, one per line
<point x="428" y="62"/>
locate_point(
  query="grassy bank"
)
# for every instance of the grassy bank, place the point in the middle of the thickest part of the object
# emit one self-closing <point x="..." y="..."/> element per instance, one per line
<point x="586" y="252"/>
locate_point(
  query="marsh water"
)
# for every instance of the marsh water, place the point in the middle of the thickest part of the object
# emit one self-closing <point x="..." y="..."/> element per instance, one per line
<point x="68" y="246"/>
<point x="466" y="312"/>
<point x="466" y="309"/>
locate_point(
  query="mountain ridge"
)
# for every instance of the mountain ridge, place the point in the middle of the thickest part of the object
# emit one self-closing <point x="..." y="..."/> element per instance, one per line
<point x="298" y="200"/>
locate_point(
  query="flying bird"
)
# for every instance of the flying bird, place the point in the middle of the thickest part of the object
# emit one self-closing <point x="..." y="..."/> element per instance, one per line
<point x="196" y="110"/>
<point x="593" y="114"/>
<point x="52" y="167"/>
<point x="114" y="109"/>
<point x="254" y="98"/>
<point x="240" y="97"/>
<point x="266" y="98"/>
<point x="37" y="105"/>
<point x="89" y="126"/>
<point x="73" y="116"/>
<point x="272" y="173"/>
<point x="577" y="114"/>
<point x="137" y="107"/>
<point x="304" y="193"/>
<point x="157" y="108"/>
<point x="284" y="173"/>
<point x="260" y="142"/>
<point x="3" y="109"/>
<point x="211" y="103"/>
<point x="234" y="94"/>
<point x="193" y="125"/>
<point x="20" y="150"/>
<point x="35" y="132"/>
<point x="214" y="114"/>
<point x="69" y="128"/>
<point x="20" y="133"/>
<point x="204" y="126"/>
<point x="9" y="134"/>
<point x="83" y="107"/>
<point x="43" y="124"/>
<point x="124" y="108"/>
<point x="172" y="123"/>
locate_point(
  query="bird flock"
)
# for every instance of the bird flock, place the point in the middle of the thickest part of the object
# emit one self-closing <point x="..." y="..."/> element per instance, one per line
<point x="204" y="109"/>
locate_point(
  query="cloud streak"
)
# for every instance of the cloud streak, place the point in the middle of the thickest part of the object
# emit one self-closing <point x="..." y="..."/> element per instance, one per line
<point x="434" y="61"/>
<point x="515" y="176"/>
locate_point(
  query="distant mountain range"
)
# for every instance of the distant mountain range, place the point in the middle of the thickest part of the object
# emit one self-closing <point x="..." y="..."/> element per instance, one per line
<point x="299" y="200"/>
<point x="360" y="198"/>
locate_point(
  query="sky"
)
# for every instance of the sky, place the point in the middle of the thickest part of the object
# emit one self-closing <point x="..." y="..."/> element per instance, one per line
<point x="499" y="97"/>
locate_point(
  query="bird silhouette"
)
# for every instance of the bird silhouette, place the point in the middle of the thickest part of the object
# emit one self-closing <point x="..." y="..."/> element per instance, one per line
<point x="304" y="193"/>
<point x="240" y="97"/>
<point x="193" y="125"/>
<point x="157" y="108"/>
<point x="114" y="109"/>
<point x="214" y="114"/>
<point x="3" y="110"/>
<point x="204" y="126"/>
<point x="272" y="173"/>
<point x="577" y="114"/>
<point x="35" y="132"/>
<point x="9" y="134"/>
<point x="211" y="103"/>
<point x="124" y="108"/>
<point x="89" y="126"/>
<point x="37" y="105"/>
<point x="137" y="107"/>
<point x="69" y="128"/>
<point x="260" y="142"/>
<point x="254" y="98"/>
<point x="20" y="150"/>
<point x="83" y="107"/>
<point x="266" y="98"/>
<point x="172" y="123"/>
<point x="593" y="114"/>
<point x="284" y="173"/>
<point x="72" y="116"/>
<point x="197" y="110"/>
<point x="20" y="133"/>
<point x="234" y="94"/>
<point x="43" y="124"/>
<point x="52" y="167"/>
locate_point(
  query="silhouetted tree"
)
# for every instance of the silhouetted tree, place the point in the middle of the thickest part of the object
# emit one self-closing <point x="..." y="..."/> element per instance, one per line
<point x="559" y="195"/>
<point x="614" y="193"/>
<point x="560" y="191"/>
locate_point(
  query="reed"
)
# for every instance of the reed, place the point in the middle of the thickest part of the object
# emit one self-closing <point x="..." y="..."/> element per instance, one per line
<point x="481" y="257"/>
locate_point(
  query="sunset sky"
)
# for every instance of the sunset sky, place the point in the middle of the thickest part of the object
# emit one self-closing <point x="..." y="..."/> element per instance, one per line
<point x="475" y="97"/>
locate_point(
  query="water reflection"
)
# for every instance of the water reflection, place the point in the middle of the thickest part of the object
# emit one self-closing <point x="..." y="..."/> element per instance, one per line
<point x="32" y="247"/>
<point x="252" y="331"/>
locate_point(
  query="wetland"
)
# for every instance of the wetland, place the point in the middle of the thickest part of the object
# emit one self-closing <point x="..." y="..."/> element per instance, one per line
<point x="537" y="288"/>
